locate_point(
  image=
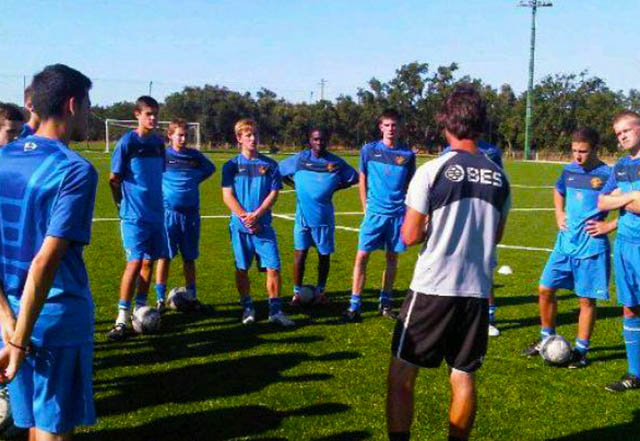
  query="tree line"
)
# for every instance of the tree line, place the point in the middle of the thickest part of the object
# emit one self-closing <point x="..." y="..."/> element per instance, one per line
<point x="562" y="103"/>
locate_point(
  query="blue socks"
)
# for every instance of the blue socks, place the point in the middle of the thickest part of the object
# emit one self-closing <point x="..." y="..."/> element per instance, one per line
<point x="492" y="313"/>
<point x="246" y="302"/>
<point x="275" y="305"/>
<point x="354" y="303"/>
<point x="547" y="332"/>
<point x="582" y="345"/>
<point x="296" y="289"/>
<point x="161" y="292"/>
<point x="124" y="305"/>
<point x="319" y="289"/>
<point x="141" y="299"/>
<point x="631" y="333"/>
<point x="385" y="299"/>
<point x="191" y="291"/>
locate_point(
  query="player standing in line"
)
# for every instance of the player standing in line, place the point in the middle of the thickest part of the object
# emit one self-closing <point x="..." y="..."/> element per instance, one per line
<point x="185" y="170"/>
<point x="580" y="260"/>
<point x="495" y="154"/>
<point x="34" y="120"/>
<point x="250" y="186"/>
<point x="386" y="167"/>
<point x="622" y="191"/>
<point x="316" y="175"/>
<point x="136" y="186"/>
<point x="48" y="198"/>
<point x="458" y="203"/>
<point x="11" y="123"/>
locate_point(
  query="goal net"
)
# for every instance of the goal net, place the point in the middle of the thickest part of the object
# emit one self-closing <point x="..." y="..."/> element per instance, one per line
<point x="115" y="128"/>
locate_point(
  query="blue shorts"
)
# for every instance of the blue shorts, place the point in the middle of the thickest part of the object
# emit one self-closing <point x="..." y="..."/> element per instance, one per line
<point x="263" y="244"/>
<point x="53" y="389"/>
<point x="320" y="237"/>
<point x="381" y="233"/>
<point x="183" y="234"/>
<point x="143" y="241"/>
<point x="587" y="277"/>
<point x="626" y="258"/>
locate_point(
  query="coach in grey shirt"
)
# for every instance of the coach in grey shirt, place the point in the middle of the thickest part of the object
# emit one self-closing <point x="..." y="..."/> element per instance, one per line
<point x="457" y="205"/>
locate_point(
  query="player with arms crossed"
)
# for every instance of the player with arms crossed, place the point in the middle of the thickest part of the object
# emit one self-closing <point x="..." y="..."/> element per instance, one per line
<point x="34" y="120"/>
<point x="48" y="196"/>
<point x="622" y="191"/>
<point x="316" y="175"/>
<point x="458" y="204"/>
<point x="137" y="165"/>
<point x="250" y="186"/>
<point x="581" y="256"/>
<point x="386" y="167"/>
<point x="185" y="170"/>
<point x="11" y="122"/>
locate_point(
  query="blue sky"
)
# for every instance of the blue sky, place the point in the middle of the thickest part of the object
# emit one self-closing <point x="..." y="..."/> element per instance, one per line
<point x="289" y="45"/>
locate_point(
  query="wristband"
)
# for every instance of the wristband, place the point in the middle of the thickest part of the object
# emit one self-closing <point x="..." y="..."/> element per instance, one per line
<point x="25" y="349"/>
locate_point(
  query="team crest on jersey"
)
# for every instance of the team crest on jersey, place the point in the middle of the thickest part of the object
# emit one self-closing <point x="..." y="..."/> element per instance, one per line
<point x="331" y="166"/>
<point x="454" y="173"/>
<point x="28" y="146"/>
<point x="400" y="160"/>
<point x="596" y="183"/>
<point x="262" y="169"/>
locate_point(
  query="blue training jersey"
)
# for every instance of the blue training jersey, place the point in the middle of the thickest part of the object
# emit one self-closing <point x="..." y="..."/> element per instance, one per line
<point x="184" y="171"/>
<point x="27" y="130"/>
<point x="626" y="177"/>
<point x="489" y="150"/>
<point x="315" y="180"/>
<point x="388" y="171"/>
<point x="140" y="163"/>
<point x="251" y="180"/>
<point x="580" y="189"/>
<point x="48" y="190"/>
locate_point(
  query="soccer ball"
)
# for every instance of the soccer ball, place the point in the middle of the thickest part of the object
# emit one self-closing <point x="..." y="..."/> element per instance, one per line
<point x="307" y="294"/>
<point x="179" y="300"/>
<point x="5" y="410"/>
<point x="146" y="320"/>
<point x="555" y="350"/>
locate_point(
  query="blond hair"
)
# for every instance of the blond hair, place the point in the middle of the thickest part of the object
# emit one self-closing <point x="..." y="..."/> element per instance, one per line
<point x="245" y="124"/>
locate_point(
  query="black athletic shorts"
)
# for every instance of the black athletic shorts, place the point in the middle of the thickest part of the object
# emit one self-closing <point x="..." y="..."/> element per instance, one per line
<point x="431" y="327"/>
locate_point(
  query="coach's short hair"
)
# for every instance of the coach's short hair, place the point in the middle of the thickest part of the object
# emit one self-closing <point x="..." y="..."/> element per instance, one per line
<point x="586" y="134"/>
<point x="54" y="86"/>
<point x="389" y="113"/>
<point x="176" y="123"/>
<point x="146" y="101"/>
<point x="625" y="114"/>
<point x="320" y="129"/>
<point x="245" y="124"/>
<point x="10" y="112"/>
<point x="463" y="112"/>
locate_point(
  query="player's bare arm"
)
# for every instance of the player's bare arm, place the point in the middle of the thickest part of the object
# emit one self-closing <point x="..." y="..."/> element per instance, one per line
<point x="7" y="319"/>
<point x="414" y="227"/>
<point x="600" y="228"/>
<point x="362" y="187"/>
<point x="266" y="205"/>
<point x="607" y="202"/>
<point x="229" y="199"/>
<point x="39" y="280"/>
<point x="558" y="204"/>
<point x="115" y="184"/>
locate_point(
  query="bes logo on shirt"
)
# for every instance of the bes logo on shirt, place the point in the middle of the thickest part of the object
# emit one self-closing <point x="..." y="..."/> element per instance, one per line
<point x="262" y="169"/>
<point x="331" y="166"/>
<point x="596" y="183"/>
<point x="400" y="160"/>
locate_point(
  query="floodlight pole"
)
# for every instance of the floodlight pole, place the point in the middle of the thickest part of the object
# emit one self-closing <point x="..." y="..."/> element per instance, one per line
<point x="534" y="5"/>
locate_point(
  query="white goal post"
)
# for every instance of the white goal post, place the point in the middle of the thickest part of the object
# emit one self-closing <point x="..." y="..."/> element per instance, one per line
<point x="193" y="130"/>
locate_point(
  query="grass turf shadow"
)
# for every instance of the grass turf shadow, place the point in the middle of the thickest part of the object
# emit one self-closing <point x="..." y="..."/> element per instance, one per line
<point x="618" y="432"/>
<point x="562" y="318"/>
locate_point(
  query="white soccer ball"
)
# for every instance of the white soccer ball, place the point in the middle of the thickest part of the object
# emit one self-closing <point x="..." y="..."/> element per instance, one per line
<point x="178" y="299"/>
<point x="146" y="320"/>
<point x="307" y="294"/>
<point x="5" y="410"/>
<point x="555" y="350"/>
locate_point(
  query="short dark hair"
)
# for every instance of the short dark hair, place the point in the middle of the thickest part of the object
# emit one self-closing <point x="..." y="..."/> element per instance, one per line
<point x="586" y="134"/>
<point x="463" y="112"/>
<point x="146" y="101"/>
<point x="389" y="113"/>
<point x="10" y="112"/>
<point x="55" y="85"/>
<point x="28" y="93"/>
<point x="625" y="114"/>
<point x="322" y="130"/>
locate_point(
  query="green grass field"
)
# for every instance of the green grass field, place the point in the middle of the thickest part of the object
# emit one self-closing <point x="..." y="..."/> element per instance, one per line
<point x="210" y="378"/>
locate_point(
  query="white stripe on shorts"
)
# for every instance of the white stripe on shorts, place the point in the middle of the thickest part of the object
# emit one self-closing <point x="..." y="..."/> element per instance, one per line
<point x="406" y="325"/>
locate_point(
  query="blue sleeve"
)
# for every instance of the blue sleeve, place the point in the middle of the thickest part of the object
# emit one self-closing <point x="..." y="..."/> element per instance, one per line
<point x="611" y="184"/>
<point x="228" y="173"/>
<point x="447" y="149"/>
<point x="497" y="157"/>
<point x="288" y="167"/>
<point x="206" y="167"/>
<point x="363" y="160"/>
<point x="348" y="175"/>
<point x="72" y="211"/>
<point x="561" y="185"/>
<point x="276" y="178"/>
<point x="119" y="158"/>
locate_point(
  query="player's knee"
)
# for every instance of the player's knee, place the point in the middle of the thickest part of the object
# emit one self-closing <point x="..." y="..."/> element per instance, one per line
<point x="587" y="303"/>
<point x="392" y="258"/>
<point x="362" y="257"/>
<point x="548" y="293"/>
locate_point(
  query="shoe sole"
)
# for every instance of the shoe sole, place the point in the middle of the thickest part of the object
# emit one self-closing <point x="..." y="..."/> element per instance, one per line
<point x="248" y="321"/>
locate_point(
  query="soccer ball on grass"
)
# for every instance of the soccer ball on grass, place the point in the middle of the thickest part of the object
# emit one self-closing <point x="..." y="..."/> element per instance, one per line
<point x="555" y="350"/>
<point x="307" y="294"/>
<point x="146" y="320"/>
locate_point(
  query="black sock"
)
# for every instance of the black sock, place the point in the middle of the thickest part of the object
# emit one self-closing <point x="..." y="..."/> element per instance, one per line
<point x="399" y="436"/>
<point x="453" y="438"/>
